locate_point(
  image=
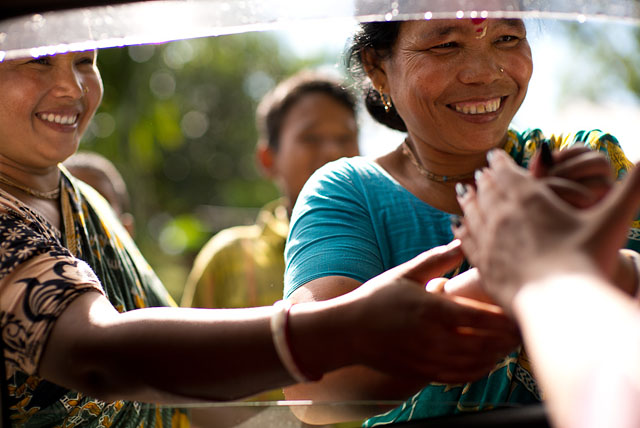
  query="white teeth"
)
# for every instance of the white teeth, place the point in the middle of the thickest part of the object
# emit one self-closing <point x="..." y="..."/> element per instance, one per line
<point x="60" y="119"/>
<point x="479" y="108"/>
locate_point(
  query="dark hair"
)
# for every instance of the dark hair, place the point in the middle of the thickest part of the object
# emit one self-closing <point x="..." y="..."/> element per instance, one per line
<point x="276" y="104"/>
<point x="379" y="37"/>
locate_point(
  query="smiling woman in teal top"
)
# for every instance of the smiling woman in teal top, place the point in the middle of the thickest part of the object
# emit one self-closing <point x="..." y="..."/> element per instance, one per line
<point x="453" y="86"/>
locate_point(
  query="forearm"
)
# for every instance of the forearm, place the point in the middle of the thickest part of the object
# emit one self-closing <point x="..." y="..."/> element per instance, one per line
<point x="349" y="384"/>
<point x="174" y="355"/>
<point x="577" y="328"/>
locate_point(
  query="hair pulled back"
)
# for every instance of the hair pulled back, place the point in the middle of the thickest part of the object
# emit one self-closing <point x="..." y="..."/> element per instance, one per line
<point x="379" y="37"/>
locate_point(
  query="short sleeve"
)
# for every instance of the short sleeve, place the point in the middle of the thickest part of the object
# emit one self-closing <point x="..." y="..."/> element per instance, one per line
<point x="39" y="278"/>
<point x="600" y="141"/>
<point x="331" y="231"/>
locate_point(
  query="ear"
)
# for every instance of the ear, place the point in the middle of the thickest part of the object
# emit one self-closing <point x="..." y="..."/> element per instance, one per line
<point x="374" y="66"/>
<point x="266" y="159"/>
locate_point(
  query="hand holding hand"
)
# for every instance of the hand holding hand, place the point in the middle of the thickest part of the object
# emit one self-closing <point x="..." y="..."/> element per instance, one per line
<point x="516" y="228"/>
<point x="578" y="175"/>
<point x="437" y="336"/>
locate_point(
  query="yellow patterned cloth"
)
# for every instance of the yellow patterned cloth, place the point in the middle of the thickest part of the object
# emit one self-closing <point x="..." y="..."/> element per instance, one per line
<point x="242" y="266"/>
<point x="42" y="270"/>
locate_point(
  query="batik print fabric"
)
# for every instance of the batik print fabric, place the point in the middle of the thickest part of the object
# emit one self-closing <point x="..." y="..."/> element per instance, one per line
<point x="42" y="270"/>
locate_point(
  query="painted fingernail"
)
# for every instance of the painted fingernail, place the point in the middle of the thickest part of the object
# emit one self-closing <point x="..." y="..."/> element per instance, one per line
<point x="545" y="154"/>
<point x="478" y="174"/>
<point x="455" y="221"/>
<point x="461" y="189"/>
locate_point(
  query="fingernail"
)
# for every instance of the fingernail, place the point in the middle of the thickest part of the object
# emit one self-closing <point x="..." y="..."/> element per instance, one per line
<point x="461" y="189"/>
<point x="545" y="155"/>
<point x="478" y="174"/>
<point x="455" y="221"/>
<point x="490" y="155"/>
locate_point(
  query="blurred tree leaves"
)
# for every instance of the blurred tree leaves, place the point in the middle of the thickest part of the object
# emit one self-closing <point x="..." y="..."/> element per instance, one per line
<point x="610" y="60"/>
<point x="178" y="121"/>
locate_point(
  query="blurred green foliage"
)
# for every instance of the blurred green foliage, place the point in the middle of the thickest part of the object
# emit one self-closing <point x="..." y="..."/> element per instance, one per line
<point x="610" y="64"/>
<point x="178" y="121"/>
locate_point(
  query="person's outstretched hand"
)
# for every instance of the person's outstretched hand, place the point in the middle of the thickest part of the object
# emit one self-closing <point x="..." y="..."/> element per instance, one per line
<point x="437" y="336"/>
<point x="516" y="228"/>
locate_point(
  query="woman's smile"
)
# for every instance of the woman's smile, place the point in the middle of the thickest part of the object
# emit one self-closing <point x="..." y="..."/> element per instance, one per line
<point x="60" y="120"/>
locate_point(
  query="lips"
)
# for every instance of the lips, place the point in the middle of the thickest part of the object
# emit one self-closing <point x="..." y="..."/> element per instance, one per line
<point x="477" y="107"/>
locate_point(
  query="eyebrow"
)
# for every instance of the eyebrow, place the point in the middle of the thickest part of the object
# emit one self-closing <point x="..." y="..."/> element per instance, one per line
<point x="443" y="31"/>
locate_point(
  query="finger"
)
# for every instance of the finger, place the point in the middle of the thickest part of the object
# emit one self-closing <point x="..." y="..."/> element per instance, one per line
<point x="469" y="285"/>
<point x="436" y="285"/>
<point x="469" y="244"/>
<point x="455" y="312"/>
<point x="473" y="215"/>
<point x="506" y="171"/>
<point x="577" y="149"/>
<point x="432" y="263"/>
<point x="584" y="165"/>
<point x="572" y="193"/>
<point x="541" y="161"/>
<point x="617" y="210"/>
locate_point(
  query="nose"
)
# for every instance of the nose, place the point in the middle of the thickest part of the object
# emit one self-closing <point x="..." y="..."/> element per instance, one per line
<point x="479" y="68"/>
<point x="68" y="81"/>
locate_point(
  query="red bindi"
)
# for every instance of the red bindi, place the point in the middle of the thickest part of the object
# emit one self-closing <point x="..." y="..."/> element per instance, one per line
<point x="481" y="28"/>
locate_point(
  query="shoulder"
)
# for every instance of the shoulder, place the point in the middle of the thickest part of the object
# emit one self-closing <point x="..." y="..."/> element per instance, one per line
<point x="346" y="168"/>
<point x="523" y="145"/>
<point x="346" y="175"/>
<point x="228" y="242"/>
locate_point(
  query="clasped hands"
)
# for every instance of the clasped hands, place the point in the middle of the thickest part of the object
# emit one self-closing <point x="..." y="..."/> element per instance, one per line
<point x="519" y="223"/>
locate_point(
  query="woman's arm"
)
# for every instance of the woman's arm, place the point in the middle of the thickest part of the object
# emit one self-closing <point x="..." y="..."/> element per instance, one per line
<point x="450" y="342"/>
<point x="346" y="384"/>
<point x="175" y="355"/>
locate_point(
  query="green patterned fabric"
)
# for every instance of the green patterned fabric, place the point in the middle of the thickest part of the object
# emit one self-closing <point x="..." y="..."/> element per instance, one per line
<point x="41" y="270"/>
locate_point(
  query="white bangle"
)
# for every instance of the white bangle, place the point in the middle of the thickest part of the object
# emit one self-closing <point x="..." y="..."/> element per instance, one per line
<point x="279" y="321"/>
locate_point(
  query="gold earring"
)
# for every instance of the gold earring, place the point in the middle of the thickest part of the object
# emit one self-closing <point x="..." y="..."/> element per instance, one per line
<point x="386" y="100"/>
<point x="501" y="69"/>
<point x="85" y="90"/>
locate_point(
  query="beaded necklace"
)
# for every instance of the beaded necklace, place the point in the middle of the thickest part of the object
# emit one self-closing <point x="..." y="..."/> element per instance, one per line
<point x="51" y="194"/>
<point x="428" y="174"/>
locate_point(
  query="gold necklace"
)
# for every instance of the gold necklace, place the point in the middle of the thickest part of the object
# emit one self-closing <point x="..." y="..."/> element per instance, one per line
<point x="430" y="175"/>
<point x="51" y="194"/>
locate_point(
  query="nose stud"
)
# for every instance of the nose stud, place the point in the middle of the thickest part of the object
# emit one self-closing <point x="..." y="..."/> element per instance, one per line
<point x="501" y="69"/>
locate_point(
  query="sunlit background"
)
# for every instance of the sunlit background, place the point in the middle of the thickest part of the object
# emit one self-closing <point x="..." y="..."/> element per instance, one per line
<point x="177" y="118"/>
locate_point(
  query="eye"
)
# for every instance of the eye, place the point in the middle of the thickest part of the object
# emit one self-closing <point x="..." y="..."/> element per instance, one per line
<point x="443" y="47"/>
<point x="446" y="45"/>
<point x="508" y="40"/>
<point x="43" y="60"/>
<point x="85" y="61"/>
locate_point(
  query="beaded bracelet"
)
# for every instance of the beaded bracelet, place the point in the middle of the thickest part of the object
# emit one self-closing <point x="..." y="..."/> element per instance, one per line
<point x="279" y="324"/>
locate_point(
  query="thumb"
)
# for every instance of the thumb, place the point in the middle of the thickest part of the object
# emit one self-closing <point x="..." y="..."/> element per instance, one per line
<point x="433" y="263"/>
